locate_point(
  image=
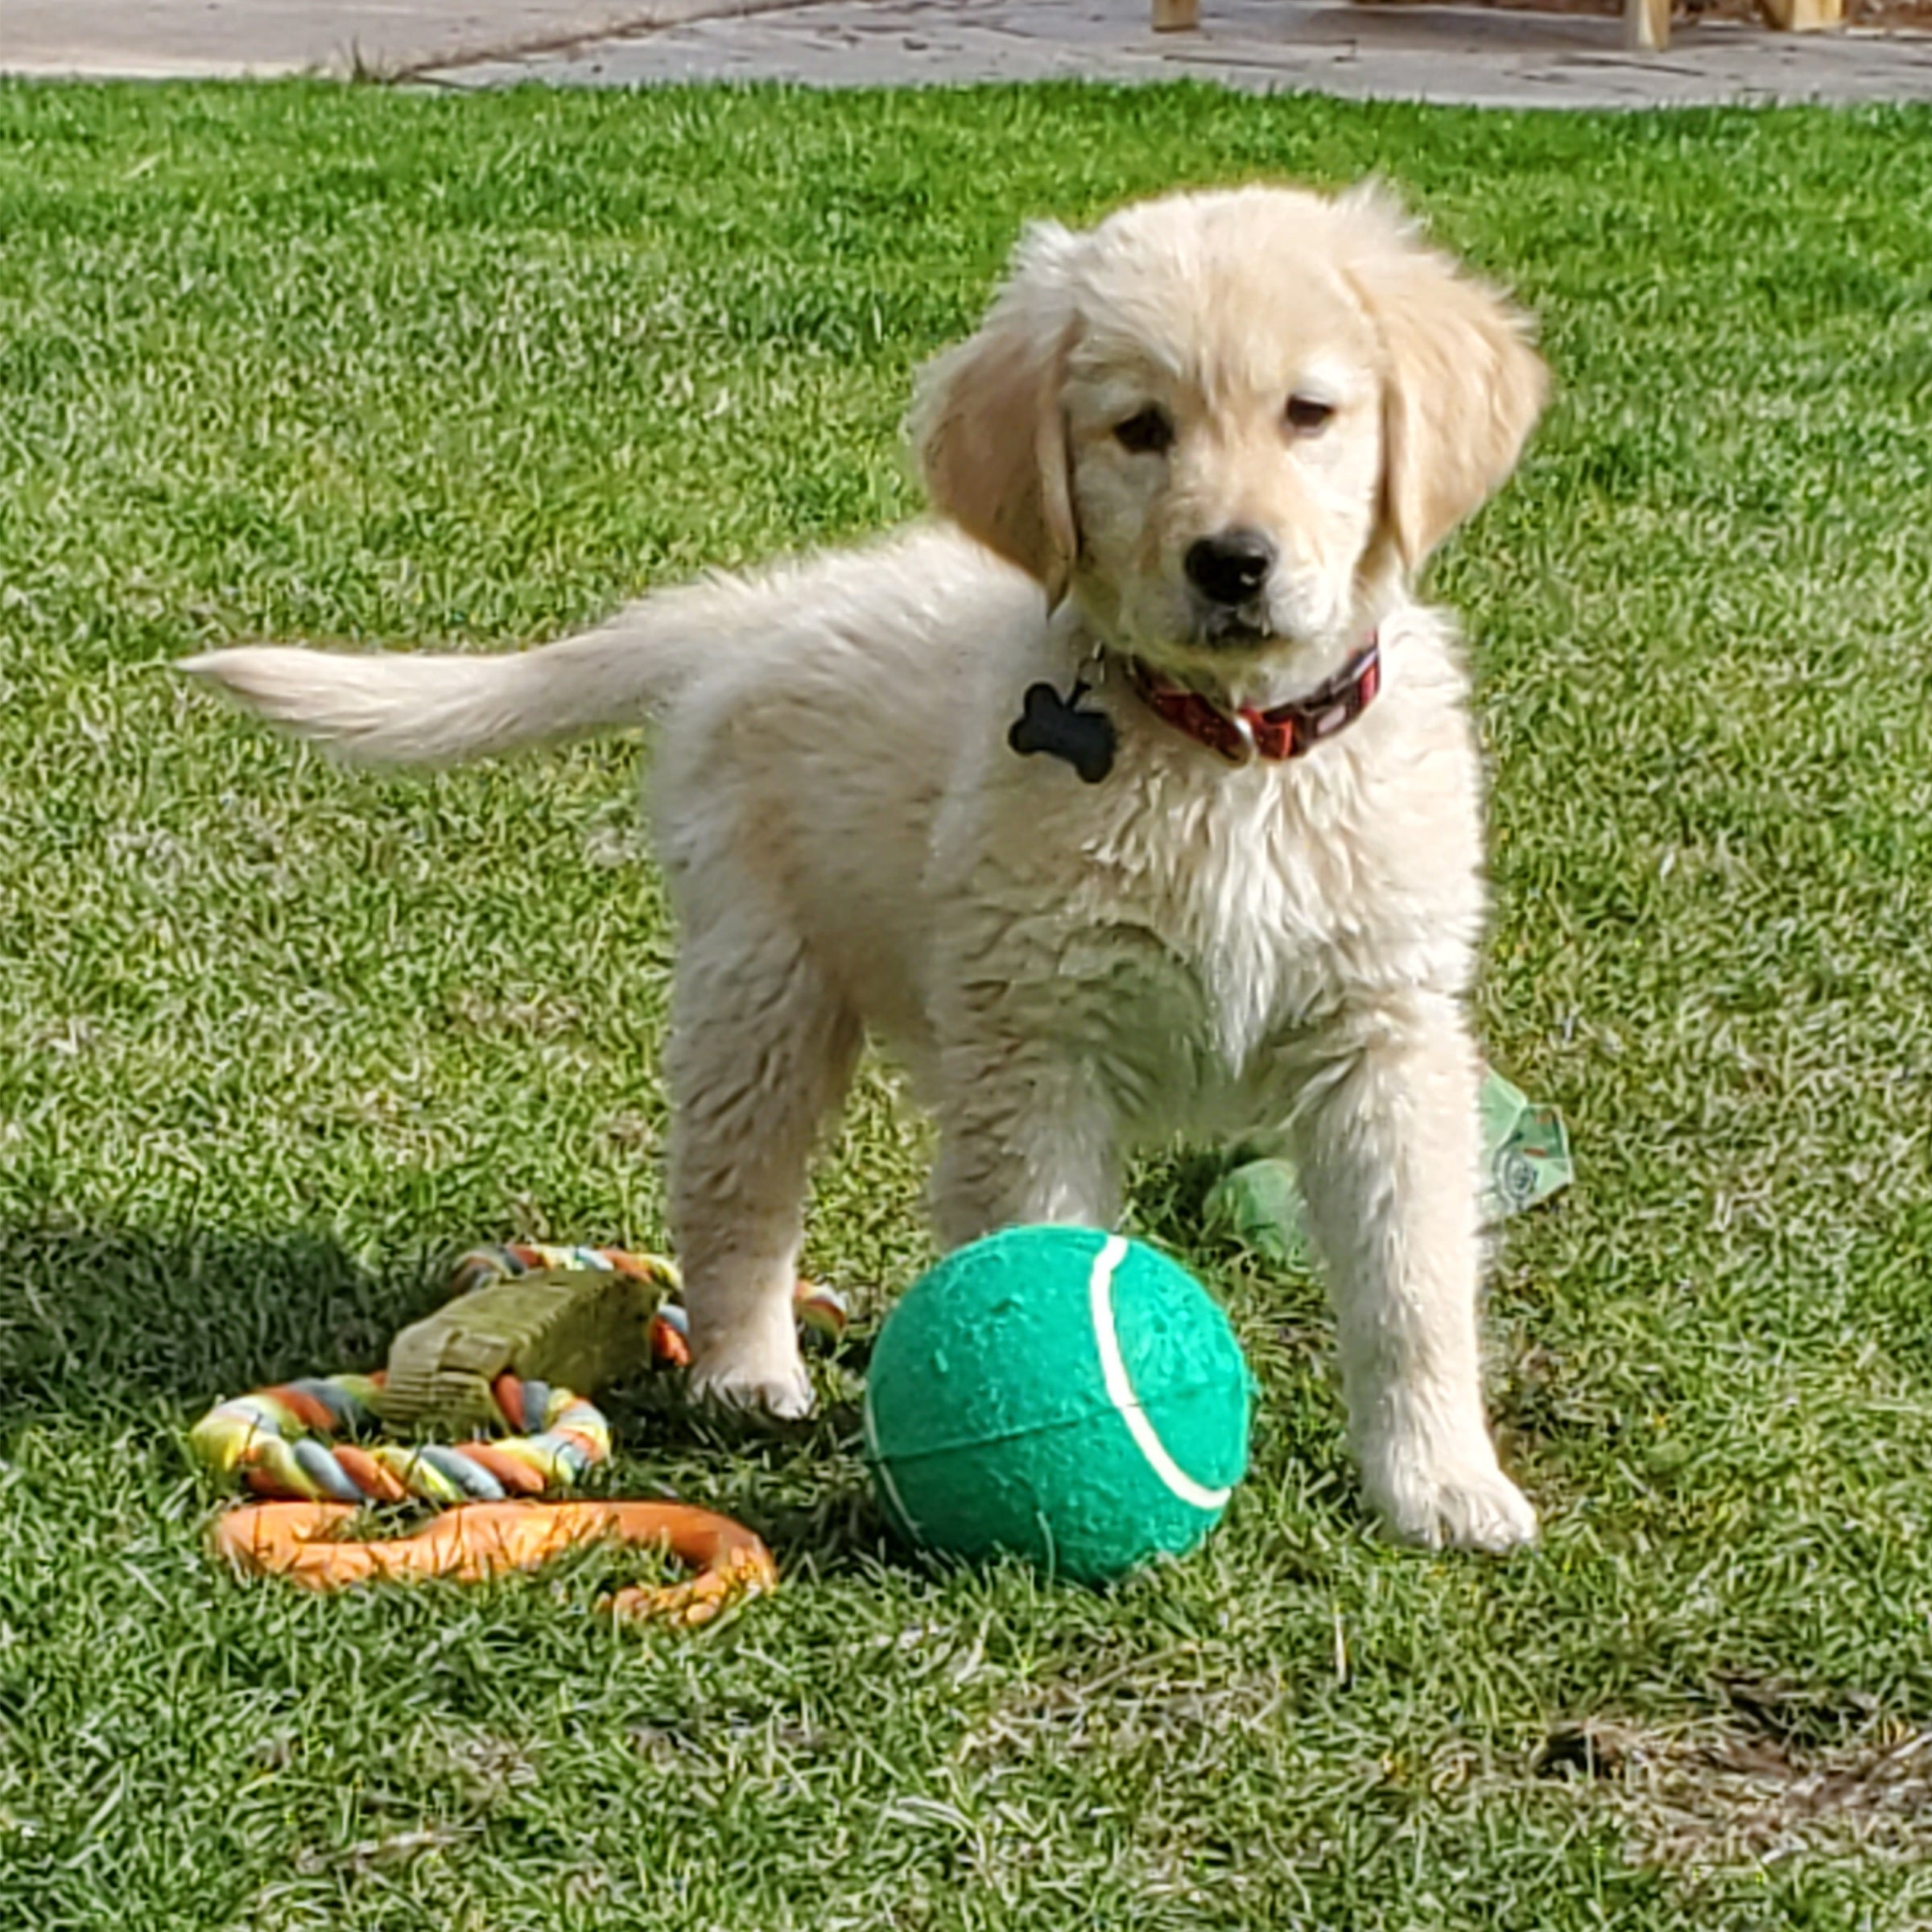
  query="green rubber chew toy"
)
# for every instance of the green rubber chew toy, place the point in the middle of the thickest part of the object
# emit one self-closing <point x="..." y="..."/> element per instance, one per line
<point x="1061" y="1394"/>
<point x="1525" y="1157"/>
<point x="573" y="1317"/>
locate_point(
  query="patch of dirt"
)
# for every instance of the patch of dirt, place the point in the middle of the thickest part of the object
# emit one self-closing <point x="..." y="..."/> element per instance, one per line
<point x="1138" y="1706"/>
<point x="533" y="1016"/>
<point x="1733" y="1794"/>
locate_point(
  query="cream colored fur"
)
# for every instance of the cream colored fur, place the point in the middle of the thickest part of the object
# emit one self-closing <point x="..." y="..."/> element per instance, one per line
<point x="1070" y="969"/>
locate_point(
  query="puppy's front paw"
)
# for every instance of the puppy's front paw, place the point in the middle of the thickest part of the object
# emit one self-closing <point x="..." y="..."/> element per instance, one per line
<point x="774" y="1384"/>
<point x="1460" y="1500"/>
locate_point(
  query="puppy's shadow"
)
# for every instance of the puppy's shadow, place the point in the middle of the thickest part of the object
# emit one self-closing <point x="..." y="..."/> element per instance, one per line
<point x="1170" y="1192"/>
<point x="96" y="1319"/>
<point x="90" y="1315"/>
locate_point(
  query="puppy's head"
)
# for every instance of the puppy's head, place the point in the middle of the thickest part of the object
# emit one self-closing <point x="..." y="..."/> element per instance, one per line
<point x="1227" y="424"/>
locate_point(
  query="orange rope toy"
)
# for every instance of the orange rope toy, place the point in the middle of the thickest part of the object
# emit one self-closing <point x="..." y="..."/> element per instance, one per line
<point x="278" y="1441"/>
<point x="299" y="1541"/>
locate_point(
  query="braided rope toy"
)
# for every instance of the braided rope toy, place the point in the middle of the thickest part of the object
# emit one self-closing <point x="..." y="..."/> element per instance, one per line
<point x="522" y="1299"/>
<point x="270" y="1439"/>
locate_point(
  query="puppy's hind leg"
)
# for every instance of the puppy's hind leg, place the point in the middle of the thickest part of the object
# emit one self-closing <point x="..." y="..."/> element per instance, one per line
<point x="762" y="1049"/>
<point x="1026" y="1138"/>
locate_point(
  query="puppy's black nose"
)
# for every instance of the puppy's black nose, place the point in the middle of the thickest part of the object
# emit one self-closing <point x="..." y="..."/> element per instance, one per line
<point x="1231" y="567"/>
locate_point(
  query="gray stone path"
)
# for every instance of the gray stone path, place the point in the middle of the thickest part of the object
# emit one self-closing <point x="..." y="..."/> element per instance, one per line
<point x="158" y="39"/>
<point x="1420" y="52"/>
<point x="1442" y="53"/>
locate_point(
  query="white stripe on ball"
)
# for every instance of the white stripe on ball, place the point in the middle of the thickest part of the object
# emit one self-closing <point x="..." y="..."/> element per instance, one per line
<point x="883" y="1470"/>
<point x="1120" y="1387"/>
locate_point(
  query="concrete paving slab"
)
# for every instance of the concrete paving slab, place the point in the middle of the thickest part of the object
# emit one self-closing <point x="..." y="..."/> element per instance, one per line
<point x="1440" y="53"/>
<point x="158" y="39"/>
<point x="1478" y="56"/>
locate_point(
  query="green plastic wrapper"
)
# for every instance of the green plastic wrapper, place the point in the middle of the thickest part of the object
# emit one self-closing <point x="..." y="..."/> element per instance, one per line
<point x="1525" y="1160"/>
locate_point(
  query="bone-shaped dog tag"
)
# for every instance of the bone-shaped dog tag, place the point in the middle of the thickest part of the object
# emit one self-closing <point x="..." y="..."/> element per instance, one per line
<point x="1056" y="725"/>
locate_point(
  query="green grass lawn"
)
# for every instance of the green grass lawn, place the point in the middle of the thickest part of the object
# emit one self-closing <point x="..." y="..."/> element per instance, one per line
<point x="276" y="1039"/>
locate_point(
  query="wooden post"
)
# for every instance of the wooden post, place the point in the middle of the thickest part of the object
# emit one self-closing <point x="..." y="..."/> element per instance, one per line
<point x="1804" y="16"/>
<point x="1176" y="16"/>
<point x="1647" y="25"/>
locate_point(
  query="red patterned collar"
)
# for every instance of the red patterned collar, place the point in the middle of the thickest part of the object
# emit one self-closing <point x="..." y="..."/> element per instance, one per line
<point x="1289" y="731"/>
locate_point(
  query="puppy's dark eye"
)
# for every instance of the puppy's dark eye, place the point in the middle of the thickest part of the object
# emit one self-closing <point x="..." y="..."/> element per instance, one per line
<point x="1146" y="432"/>
<point x="1308" y="416"/>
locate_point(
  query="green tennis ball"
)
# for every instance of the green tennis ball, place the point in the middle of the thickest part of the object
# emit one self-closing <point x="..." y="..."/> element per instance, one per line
<point x="1066" y="1395"/>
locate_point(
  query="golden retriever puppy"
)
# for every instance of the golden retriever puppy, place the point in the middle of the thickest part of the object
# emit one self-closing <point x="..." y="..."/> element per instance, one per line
<point x="1136" y="796"/>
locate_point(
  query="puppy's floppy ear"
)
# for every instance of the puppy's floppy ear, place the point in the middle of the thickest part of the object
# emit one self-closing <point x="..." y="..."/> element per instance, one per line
<point x="986" y="420"/>
<point x="1462" y="387"/>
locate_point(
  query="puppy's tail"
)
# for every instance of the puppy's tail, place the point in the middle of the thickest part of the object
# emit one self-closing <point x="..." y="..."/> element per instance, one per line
<point x="388" y="707"/>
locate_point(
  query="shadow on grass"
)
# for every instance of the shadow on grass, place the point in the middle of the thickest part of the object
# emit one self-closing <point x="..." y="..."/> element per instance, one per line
<point x="1170" y="1194"/>
<point x="802" y="1486"/>
<point x="89" y="1315"/>
<point x="96" y="1320"/>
